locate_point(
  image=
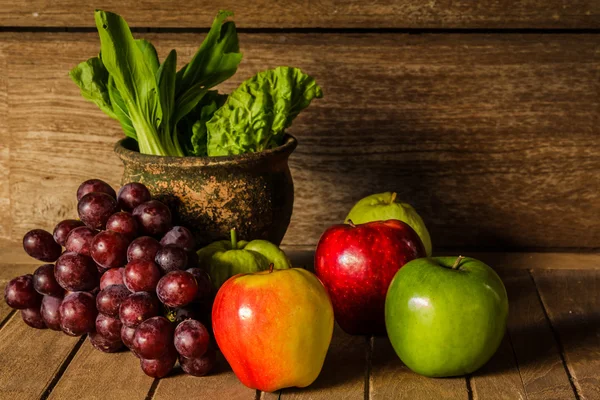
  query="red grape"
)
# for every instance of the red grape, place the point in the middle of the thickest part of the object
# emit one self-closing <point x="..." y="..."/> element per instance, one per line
<point x="95" y="185"/>
<point x="80" y="240"/>
<point x="108" y="327"/>
<point x="153" y="337"/>
<point x="123" y="223"/>
<point x="127" y="334"/>
<point x="63" y="228"/>
<point x="95" y="209"/>
<point x="132" y="195"/>
<point x="50" y="312"/>
<point x="160" y="367"/>
<point x="110" y="298"/>
<point x="141" y="276"/>
<point x="191" y="339"/>
<point x="204" y="284"/>
<point x="40" y="244"/>
<point x="105" y="344"/>
<point x="113" y="276"/>
<point x="171" y="258"/>
<point x="180" y="237"/>
<point x="143" y="248"/>
<point x="153" y="217"/>
<point x="199" y="366"/>
<point x="76" y="272"/>
<point x="78" y="313"/>
<point x="109" y="249"/>
<point x="33" y="318"/>
<point x="137" y="308"/>
<point x="177" y="288"/>
<point x="20" y="293"/>
<point x="44" y="281"/>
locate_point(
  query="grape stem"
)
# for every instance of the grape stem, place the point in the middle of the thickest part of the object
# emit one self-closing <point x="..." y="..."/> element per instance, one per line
<point x="234" y="241"/>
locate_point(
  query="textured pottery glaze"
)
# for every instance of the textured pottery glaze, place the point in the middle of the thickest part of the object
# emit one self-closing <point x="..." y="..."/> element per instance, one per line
<point x="210" y="195"/>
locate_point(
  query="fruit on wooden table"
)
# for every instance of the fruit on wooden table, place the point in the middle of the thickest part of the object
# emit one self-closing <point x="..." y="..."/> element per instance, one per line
<point x="80" y="240"/>
<point x="141" y="276"/>
<point x="109" y="249"/>
<point x="191" y="339"/>
<point x="33" y="318"/>
<point x="137" y="308"/>
<point x="132" y="195"/>
<point x="95" y="209"/>
<point x="356" y="263"/>
<point x="123" y="223"/>
<point x="153" y="338"/>
<point x="226" y="258"/>
<point x="273" y="327"/>
<point x="109" y="299"/>
<point x="95" y="185"/>
<point x="20" y="293"/>
<point x="113" y="276"/>
<point x="177" y="289"/>
<point x="78" y="313"/>
<point x="45" y="283"/>
<point x="153" y="217"/>
<point x="171" y="258"/>
<point x="40" y="245"/>
<point x="446" y="316"/>
<point x="76" y="272"/>
<point x="50" y="312"/>
<point x="179" y="236"/>
<point x="384" y="206"/>
<point x="143" y="248"/>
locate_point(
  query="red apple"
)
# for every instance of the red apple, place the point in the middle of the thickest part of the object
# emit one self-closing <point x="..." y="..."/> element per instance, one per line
<point x="273" y="327"/>
<point x="356" y="263"/>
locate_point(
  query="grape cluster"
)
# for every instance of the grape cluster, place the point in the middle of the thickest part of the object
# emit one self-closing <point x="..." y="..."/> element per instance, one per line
<point x="127" y="277"/>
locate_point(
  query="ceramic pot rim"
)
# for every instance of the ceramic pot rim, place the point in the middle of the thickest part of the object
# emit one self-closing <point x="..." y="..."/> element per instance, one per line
<point x="126" y="154"/>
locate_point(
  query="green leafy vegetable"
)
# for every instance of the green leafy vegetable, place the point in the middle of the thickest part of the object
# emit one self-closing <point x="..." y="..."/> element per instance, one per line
<point x="92" y="79"/>
<point x="257" y="113"/>
<point x="215" y="61"/>
<point x="133" y="78"/>
<point x="175" y="113"/>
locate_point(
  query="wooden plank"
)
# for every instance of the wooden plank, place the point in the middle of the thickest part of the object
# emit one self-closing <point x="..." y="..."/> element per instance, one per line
<point x="499" y="378"/>
<point x="314" y="14"/>
<point x="30" y="358"/>
<point x="572" y="301"/>
<point x="93" y="374"/>
<point x="391" y="379"/>
<point x="5" y="218"/>
<point x="219" y="384"/>
<point x="342" y="376"/>
<point x="536" y="353"/>
<point x="444" y="120"/>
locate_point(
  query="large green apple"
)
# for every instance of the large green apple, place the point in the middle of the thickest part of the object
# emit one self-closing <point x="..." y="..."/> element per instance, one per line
<point x="445" y="316"/>
<point x="383" y="206"/>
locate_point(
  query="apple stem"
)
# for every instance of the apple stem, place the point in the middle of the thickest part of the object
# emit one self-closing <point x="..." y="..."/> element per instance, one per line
<point x="271" y="266"/>
<point x="393" y="198"/>
<point x="457" y="262"/>
<point x="234" y="242"/>
<point x="351" y="223"/>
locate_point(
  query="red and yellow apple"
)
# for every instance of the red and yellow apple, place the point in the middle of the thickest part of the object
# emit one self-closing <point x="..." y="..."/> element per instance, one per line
<point x="274" y="327"/>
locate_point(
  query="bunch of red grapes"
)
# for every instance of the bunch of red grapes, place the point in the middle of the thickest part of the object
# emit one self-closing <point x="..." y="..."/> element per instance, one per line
<point x="127" y="277"/>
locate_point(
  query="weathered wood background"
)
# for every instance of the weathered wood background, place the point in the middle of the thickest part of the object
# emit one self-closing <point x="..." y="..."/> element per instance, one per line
<point x="484" y="115"/>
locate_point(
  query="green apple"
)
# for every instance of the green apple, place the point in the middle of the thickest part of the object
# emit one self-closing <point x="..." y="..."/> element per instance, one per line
<point x="383" y="206"/>
<point x="445" y="316"/>
<point x="226" y="258"/>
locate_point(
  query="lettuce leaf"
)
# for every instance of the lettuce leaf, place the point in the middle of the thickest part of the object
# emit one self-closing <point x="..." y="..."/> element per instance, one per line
<point x="256" y="114"/>
<point x="192" y="127"/>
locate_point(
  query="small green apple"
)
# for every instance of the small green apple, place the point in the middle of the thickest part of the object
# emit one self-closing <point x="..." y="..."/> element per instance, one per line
<point x="383" y="206"/>
<point x="226" y="258"/>
<point x="446" y="316"/>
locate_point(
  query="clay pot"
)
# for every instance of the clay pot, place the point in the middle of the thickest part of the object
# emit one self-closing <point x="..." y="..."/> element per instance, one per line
<point x="210" y="195"/>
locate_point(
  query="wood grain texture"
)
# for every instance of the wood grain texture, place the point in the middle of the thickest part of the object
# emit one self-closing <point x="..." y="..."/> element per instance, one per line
<point x="536" y="352"/>
<point x="499" y="378"/>
<point x="313" y="14"/>
<point x="219" y="384"/>
<point x="5" y="223"/>
<point x="490" y="137"/>
<point x="93" y="374"/>
<point x="390" y="379"/>
<point x="572" y="301"/>
<point x="342" y="376"/>
<point x="30" y="358"/>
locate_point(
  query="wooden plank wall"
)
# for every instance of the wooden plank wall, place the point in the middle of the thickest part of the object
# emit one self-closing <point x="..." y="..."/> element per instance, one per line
<point x="483" y="115"/>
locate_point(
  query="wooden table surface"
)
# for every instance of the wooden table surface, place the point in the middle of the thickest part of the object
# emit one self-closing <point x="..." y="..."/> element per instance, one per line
<point x="551" y="350"/>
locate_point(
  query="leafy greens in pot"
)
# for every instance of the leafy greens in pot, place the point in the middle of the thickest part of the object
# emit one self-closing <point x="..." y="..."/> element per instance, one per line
<point x="175" y="113"/>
